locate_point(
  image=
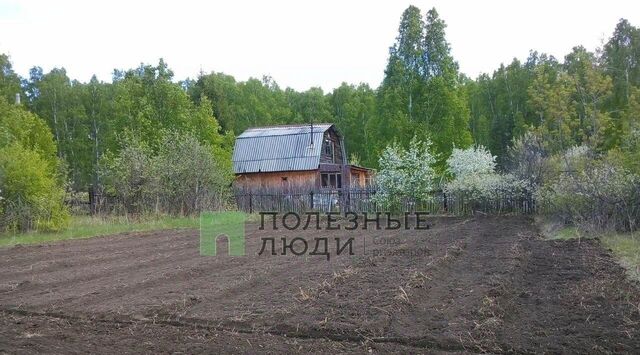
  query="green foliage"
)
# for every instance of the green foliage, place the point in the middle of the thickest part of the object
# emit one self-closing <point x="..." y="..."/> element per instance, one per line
<point x="353" y="108"/>
<point x="188" y="176"/>
<point x="593" y="194"/>
<point x="9" y="80"/>
<point x="621" y="62"/>
<point x="551" y="98"/>
<point x="90" y="119"/>
<point x="182" y="177"/>
<point x="30" y="195"/>
<point x="127" y="175"/>
<point x="240" y="105"/>
<point x="588" y="99"/>
<point x="421" y="91"/>
<point x="18" y="125"/>
<point x="501" y="110"/>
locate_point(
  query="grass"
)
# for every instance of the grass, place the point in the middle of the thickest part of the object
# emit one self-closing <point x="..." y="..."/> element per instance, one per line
<point x="626" y="247"/>
<point x="566" y="233"/>
<point x="88" y="227"/>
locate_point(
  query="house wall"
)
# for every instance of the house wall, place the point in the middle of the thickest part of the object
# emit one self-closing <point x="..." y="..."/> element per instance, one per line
<point x="359" y="177"/>
<point x="331" y="137"/>
<point x="287" y="180"/>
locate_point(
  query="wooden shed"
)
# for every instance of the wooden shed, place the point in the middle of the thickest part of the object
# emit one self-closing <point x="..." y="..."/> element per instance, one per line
<point x="295" y="158"/>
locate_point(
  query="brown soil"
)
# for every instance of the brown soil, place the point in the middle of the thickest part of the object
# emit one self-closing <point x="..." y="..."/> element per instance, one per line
<point x="465" y="285"/>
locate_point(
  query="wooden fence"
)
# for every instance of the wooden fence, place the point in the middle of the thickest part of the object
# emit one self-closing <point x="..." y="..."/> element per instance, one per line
<point x="363" y="200"/>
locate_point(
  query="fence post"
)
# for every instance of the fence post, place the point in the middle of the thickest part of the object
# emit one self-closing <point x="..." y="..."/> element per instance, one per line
<point x="92" y="200"/>
<point x="250" y="202"/>
<point x="444" y="200"/>
<point x="311" y="198"/>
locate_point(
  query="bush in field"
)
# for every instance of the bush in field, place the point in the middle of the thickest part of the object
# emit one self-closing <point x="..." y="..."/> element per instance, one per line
<point x="488" y="187"/>
<point x="471" y="161"/>
<point x="593" y="194"/>
<point x="31" y="192"/>
<point x="405" y="172"/>
<point x="187" y="176"/>
<point x="527" y="160"/>
<point x="17" y="125"/>
<point x="182" y="177"/>
<point x="628" y="155"/>
<point x="128" y="176"/>
<point x="31" y="197"/>
<point x="474" y="177"/>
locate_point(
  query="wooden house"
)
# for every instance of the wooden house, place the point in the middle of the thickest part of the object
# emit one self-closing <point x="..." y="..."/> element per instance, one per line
<point x="295" y="158"/>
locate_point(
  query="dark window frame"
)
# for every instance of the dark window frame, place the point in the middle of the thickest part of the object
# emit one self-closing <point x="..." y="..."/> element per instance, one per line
<point x="329" y="149"/>
<point x="331" y="180"/>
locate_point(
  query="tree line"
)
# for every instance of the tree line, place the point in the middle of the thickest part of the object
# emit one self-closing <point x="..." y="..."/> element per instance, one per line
<point x="588" y="99"/>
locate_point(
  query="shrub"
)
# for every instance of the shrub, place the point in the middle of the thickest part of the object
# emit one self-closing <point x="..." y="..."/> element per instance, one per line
<point x="18" y="125"/>
<point x="593" y="194"/>
<point x="475" y="179"/>
<point x="405" y="173"/>
<point x="31" y="185"/>
<point x="527" y="160"/>
<point x="30" y="195"/>
<point x="488" y="187"/>
<point x="471" y="161"/>
<point x="187" y="176"/>
<point x="127" y="176"/>
<point x="182" y="177"/>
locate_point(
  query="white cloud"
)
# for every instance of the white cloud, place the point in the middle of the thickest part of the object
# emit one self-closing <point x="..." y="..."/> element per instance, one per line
<point x="300" y="44"/>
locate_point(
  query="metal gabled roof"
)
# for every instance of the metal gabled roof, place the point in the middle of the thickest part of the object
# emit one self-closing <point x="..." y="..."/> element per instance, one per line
<point x="278" y="148"/>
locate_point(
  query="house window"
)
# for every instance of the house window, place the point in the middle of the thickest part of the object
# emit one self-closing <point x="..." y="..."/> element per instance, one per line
<point x="355" y="179"/>
<point x="331" y="180"/>
<point x="328" y="149"/>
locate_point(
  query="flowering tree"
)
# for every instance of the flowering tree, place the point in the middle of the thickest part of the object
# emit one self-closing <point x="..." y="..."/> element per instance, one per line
<point x="471" y="161"/>
<point x="474" y="175"/>
<point x="406" y="172"/>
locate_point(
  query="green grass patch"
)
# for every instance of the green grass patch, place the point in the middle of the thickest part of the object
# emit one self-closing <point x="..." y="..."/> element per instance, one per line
<point x="554" y="230"/>
<point x="87" y="227"/>
<point x="565" y="233"/>
<point x="626" y="248"/>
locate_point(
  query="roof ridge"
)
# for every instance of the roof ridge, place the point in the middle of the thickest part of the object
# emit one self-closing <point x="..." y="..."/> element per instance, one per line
<point x="290" y="126"/>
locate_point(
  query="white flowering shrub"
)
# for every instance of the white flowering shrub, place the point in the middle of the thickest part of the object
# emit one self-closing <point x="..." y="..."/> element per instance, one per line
<point x="475" y="179"/>
<point x="405" y="172"/>
<point x="472" y="161"/>
<point x="488" y="186"/>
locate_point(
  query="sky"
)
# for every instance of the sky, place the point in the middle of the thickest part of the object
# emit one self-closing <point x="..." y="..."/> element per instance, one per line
<point x="300" y="44"/>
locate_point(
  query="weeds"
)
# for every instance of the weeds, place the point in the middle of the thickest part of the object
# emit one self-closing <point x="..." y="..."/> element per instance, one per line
<point x="88" y="227"/>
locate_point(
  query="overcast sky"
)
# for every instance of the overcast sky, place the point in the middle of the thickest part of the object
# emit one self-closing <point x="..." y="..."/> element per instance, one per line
<point x="299" y="43"/>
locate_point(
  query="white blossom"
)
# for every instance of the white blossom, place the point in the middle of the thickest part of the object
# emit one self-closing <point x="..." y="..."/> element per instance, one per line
<point x="475" y="177"/>
<point x="406" y="172"/>
<point x="471" y="161"/>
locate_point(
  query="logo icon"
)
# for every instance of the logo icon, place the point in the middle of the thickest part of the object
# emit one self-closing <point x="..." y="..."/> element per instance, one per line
<point x="216" y="224"/>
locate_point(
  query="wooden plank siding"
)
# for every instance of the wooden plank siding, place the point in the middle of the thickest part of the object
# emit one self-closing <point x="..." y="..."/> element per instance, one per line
<point x="285" y="180"/>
